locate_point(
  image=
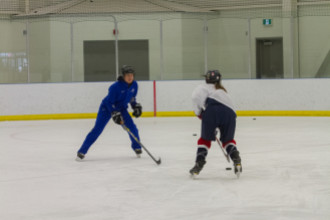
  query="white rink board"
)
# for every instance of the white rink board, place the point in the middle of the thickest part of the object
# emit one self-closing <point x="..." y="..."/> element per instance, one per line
<point x="57" y="98"/>
<point x="284" y="94"/>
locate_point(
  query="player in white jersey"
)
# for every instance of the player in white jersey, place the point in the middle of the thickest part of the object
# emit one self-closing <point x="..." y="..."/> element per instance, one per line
<point x="214" y="107"/>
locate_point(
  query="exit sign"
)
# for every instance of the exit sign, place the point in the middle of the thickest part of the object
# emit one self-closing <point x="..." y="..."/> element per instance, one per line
<point x="267" y="22"/>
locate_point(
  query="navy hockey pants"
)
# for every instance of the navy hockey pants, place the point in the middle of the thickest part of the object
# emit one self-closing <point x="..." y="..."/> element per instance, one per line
<point x="103" y="117"/>
<point x="217" y="115"/>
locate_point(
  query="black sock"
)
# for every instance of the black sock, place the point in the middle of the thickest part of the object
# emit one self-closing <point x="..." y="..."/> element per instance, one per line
<point x="201" y="154"/>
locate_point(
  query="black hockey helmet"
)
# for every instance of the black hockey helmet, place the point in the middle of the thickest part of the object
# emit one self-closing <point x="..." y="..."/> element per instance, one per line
<point x="127" y="69"/>
<point x="212" y="76"/>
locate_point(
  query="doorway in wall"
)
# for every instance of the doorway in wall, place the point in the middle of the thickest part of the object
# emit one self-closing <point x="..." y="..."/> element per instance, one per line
<point x="100" y="59"/>
<point x="270" y="58"/>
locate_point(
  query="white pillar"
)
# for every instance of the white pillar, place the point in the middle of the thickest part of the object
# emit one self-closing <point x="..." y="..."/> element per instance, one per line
<point x="290" y="38"/>
<point x="27" y="6"/>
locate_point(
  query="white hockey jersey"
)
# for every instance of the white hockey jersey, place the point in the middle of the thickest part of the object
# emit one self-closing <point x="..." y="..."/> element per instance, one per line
<point x="204" y="91"/>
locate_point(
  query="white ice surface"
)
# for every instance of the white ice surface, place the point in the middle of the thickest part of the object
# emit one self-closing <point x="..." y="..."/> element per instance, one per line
<point x="286" y="167"/>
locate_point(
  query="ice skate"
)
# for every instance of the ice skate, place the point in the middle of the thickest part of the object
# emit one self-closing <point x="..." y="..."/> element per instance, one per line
<point x="237" y="163"/>
<point x="197" y="168"/>
<point x="80" y="157"/>
<point x="138" y="152"/>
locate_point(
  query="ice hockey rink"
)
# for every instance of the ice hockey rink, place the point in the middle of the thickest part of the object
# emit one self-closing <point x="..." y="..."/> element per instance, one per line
<point x="285" y="171"/>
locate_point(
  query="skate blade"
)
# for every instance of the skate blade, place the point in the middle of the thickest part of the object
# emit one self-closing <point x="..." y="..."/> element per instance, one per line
<point x="138" y="155"/>
<point x="238" y="170"/>
<point x="79" y="159"/>
<point x="193" y="175"/>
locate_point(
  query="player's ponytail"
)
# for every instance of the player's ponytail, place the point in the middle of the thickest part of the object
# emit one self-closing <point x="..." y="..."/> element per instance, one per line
<point x="218" y="85"/>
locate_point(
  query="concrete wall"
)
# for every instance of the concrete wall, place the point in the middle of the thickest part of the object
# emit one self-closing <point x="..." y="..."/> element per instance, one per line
<point x="228" y="47"/>
<point x="60" y="52"/>
<point x="87" y="30"/>
<point x="258" y="30"/>
<point x="57" y="98"/>
<point x="128" y="30"/>
<point x="314" y="43"/>
<point x="13" y="42"/>
<point x="172" y="50"/>
<point x="144" y="30"/>
<point x="192" y="48"/>
<point x="231" y="48"/>
<point x="39" y="52"/>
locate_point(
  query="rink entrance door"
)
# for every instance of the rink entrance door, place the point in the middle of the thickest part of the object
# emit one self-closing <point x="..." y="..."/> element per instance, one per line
<point x="100" y="59"/>
<point x="269" y="58"/>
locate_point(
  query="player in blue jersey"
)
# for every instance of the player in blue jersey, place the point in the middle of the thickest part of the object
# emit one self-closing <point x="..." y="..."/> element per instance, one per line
<point x="114" y="105"/>
<point x="214" y="107"/>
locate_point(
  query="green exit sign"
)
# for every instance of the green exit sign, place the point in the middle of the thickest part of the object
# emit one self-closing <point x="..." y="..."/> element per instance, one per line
<point x="267" y="22"/>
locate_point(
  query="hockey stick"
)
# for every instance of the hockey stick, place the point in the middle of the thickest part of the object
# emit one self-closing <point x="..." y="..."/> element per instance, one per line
<point x="144" y="148"/>
<point x="220" y="145"/>
<point x="223" y="151"/>
<point x="237" y="171"/>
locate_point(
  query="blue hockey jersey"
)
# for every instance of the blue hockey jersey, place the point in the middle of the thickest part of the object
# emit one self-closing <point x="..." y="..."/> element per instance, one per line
<point x="120" y="94"/>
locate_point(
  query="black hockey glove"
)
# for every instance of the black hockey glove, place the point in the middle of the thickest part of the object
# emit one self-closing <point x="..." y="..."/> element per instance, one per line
<point x="117" y="118"/>
<point x="137" y="110"/>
